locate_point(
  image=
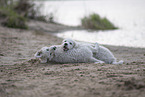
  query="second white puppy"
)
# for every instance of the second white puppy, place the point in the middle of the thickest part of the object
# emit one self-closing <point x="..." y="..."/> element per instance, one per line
<point x="100" y="52"/>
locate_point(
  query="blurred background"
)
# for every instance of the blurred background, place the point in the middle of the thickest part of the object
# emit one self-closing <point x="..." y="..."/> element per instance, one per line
<point x="127" y="15"/>
<point x="111" y="22"/>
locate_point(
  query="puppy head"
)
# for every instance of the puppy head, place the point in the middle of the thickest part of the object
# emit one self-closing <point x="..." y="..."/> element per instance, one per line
<point x="43" y="52"/>
<point x="68" y="44"/>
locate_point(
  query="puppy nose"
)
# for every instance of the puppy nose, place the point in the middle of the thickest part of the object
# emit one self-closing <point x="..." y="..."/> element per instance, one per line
<point x="65" y="44"/>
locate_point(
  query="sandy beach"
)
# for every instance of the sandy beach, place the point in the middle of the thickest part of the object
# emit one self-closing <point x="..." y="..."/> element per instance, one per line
<point x="23" y="76"/>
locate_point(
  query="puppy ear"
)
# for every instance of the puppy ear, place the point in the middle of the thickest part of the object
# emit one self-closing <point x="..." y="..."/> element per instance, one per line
<point x="51" y="56"/>
<point x="38" y="54"/>
<point x="76" y="45"/>
<point x="52" y="52"/>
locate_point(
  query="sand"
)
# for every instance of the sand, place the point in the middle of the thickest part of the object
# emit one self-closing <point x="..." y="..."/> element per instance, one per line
<point x="23" y="76"/>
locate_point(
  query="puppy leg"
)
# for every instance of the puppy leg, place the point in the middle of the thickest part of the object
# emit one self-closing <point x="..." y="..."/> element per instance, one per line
<point x="92" y="59"/>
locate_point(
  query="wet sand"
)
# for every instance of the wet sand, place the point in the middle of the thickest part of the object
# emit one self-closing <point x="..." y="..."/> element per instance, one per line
<point x="23" y="76"/>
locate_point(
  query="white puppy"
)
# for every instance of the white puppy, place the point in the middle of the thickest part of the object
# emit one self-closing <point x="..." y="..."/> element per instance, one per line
<point x="43" y="54"/>
<point x="79" y="55"/>
<point x="106" y="55"/>
<point x="100" y="52"/>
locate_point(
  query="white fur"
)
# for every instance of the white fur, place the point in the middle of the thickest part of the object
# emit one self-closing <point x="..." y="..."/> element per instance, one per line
<point x="57" y="54"/>
<point x="43" y="54"/>
<point x="78" y="55"/>
<point x="99" y="52"/>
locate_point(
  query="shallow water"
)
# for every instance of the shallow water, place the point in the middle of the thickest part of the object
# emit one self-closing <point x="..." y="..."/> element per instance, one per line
<point x="128" y="15"/>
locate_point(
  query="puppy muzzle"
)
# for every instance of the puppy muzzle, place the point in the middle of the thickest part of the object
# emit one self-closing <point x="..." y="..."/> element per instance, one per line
<point x="65" y="48"/>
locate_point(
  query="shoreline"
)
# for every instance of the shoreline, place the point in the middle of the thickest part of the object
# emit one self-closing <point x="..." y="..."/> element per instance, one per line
<point x="22" y="75"/>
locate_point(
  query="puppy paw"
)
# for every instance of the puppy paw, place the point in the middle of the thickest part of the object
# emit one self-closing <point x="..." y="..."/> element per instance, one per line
<point x="99" y="62"/>
<point x="43" y="61"/>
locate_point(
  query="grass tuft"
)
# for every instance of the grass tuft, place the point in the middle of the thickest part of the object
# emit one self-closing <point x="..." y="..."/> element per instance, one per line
<point x="94" y="21"/>
<point x="15" y="13"/>
<point x="12" y="19"/>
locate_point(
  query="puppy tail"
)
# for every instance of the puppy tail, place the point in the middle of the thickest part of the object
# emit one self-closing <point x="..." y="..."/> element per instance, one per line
<point x="96" y="47"/>
<point x="96" y="44"/>
<point x="120" y="62"/>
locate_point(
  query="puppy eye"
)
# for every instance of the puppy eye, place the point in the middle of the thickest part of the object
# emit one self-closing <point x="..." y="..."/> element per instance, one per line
<point x="39" y="53"/>
<point x="47" y="49"/>
<point x="70" y="43"/>
<point x="54" y="48"/>
<point x="65" y="41"/>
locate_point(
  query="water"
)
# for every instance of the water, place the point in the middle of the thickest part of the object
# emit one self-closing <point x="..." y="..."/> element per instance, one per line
<point x="128" y="15"/>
